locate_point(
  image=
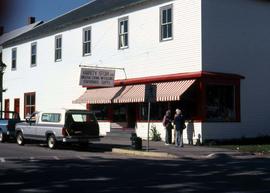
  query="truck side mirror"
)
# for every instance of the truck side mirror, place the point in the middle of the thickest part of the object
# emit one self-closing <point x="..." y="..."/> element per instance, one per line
<point x="28" y="120"/>
<point x="27" y="117"/>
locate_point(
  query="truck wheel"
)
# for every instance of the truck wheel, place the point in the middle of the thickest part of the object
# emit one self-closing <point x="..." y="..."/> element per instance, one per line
<point x="2" y="137"/>
<point x="19" y="138"/>
<point x="51" y="142"/>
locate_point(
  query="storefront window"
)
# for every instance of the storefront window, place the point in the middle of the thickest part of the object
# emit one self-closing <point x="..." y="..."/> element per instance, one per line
<point x="101" y="111"/>
<point x="157" y="111"/>
<point x="119" y="113"/>
<point x="220" y="103"/>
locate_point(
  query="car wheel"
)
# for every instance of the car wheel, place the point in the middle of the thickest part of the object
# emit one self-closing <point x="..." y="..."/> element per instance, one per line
<point x="51" y="142"/>
<point x="19" y="138"/>
<point x="2" y="137"/>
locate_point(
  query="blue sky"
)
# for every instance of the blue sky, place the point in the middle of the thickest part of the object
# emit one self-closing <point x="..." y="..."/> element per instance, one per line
<point x="14" y="13"/>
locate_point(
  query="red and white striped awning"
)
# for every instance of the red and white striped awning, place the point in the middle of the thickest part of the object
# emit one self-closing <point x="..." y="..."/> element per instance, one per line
<point x="165" y="91"/>
<point x="172" y="91"/>
<point x="98" y="96"/>
<point x="131" y="94"/>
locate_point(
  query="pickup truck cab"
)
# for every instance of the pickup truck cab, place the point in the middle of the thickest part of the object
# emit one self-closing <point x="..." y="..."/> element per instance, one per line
<point x="8" y="120"/>
<point x="61" y="126"/>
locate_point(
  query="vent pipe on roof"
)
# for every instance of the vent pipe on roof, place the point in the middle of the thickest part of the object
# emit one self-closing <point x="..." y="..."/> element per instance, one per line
<point x="1" y="30"/>
<point x="31" y="20"/>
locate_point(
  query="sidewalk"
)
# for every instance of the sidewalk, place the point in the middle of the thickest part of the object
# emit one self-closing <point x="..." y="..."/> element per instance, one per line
<point x="159" y="149"/>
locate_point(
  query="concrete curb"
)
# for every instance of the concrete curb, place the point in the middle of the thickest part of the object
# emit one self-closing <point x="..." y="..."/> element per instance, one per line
<point x="143" y="153"/>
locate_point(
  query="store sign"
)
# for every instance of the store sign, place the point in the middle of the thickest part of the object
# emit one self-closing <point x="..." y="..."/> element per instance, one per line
<point x="97" y="77"/>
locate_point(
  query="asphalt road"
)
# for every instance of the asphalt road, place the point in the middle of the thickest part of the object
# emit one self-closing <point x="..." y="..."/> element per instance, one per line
<point x="35" y="168"/>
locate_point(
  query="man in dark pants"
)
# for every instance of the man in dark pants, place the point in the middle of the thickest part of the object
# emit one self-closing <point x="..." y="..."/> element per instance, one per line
<point x="179" y="123"/>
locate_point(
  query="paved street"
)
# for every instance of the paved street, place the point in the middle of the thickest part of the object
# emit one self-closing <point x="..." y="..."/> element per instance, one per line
<point x="35" y="168"/>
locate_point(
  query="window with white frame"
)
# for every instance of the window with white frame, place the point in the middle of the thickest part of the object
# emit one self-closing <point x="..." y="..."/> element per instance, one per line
<point x="86" y="41"/>
<point x="123" y="33"/>
<point x="14" y="59"/>
<point x="58" y="48"/>
<point x="166" y="23"/>
<point x="29" y="103"/>
<point x="33" y="54"/>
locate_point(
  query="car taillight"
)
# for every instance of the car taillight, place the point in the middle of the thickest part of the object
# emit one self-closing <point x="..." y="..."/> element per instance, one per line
<point x="64" y="132"/>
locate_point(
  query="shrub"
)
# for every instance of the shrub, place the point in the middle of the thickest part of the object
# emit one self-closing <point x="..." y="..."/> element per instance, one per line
<point x="155" y="135"/>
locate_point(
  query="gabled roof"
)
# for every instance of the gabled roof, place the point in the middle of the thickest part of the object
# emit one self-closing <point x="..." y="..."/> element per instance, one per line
<point x="15" y="33"/>
<point x="91" y="10"/>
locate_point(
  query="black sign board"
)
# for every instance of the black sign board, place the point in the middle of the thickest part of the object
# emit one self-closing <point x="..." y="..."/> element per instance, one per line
<point x="150" y="93"/>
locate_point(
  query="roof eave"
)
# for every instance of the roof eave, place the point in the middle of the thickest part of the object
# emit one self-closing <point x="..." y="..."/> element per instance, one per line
<point x="21" y="38"/>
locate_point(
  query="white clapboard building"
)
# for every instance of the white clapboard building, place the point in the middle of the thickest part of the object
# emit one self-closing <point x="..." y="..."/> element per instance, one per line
<point x="209" y="58"/>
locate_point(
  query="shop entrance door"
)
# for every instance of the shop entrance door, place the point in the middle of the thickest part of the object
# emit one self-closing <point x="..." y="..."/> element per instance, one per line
<point x="119" y="118"/>
<point x="131" y="115"/>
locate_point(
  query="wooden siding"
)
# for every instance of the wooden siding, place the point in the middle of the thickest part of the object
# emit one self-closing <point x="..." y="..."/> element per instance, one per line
<point x="236" y="40"/>
<point x="57" y="83"/>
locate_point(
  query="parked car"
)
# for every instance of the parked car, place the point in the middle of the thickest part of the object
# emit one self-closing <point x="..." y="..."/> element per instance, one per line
<point x="8" y="119"/>
<point x="61" y="126"/>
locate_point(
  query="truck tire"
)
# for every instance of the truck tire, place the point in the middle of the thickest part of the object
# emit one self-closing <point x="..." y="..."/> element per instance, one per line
<point x="19" y="138"/>
<point x="51" y="142"/>
<point x="2" y="137"/>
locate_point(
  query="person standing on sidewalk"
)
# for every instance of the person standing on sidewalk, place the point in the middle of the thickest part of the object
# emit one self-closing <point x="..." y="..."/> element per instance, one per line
<point x="167" y="123"/>
<point x="179" y="123"/>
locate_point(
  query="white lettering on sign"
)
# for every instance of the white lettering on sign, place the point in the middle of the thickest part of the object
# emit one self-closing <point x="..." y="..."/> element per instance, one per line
<point x="97" y="77"/>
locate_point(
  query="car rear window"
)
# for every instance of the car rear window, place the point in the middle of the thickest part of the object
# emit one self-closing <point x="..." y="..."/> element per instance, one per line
<point x="51" y="117"/>
<point x="83" y="117"/>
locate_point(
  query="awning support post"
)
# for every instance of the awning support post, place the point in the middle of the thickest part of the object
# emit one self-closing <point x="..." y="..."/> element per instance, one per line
<point x="148" y="119"/>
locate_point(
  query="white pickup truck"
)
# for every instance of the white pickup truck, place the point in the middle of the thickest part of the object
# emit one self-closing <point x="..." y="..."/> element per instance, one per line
<point x="61" y="126"/>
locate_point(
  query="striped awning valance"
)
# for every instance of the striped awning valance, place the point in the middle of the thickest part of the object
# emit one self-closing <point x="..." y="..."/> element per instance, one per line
<point x="98" y="96"/>
<point x="172" y="91"/>
<point x="131" y="94"/>
<point x="165" y="91"/>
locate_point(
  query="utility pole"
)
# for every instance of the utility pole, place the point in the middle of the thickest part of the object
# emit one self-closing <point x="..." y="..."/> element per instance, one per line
<point x="150" y="97"/>
<point x="2" y="70"/>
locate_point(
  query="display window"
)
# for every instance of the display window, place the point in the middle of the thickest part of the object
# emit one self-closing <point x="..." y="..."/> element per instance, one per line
<point x="101" y="111"/>
<point x="221" y="103"/>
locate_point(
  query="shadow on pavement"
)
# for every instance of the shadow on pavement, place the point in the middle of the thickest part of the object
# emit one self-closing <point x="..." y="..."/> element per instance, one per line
<point x="91" y="147"/>
<point x="220" y="174"/>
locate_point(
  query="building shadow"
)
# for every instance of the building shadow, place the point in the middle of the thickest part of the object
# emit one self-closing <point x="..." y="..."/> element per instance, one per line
<point x="190" y="132"/>
<point x="221" y="174"/>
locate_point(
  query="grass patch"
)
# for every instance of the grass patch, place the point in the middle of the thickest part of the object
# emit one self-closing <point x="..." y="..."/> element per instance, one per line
<point x="250" y="145"/>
